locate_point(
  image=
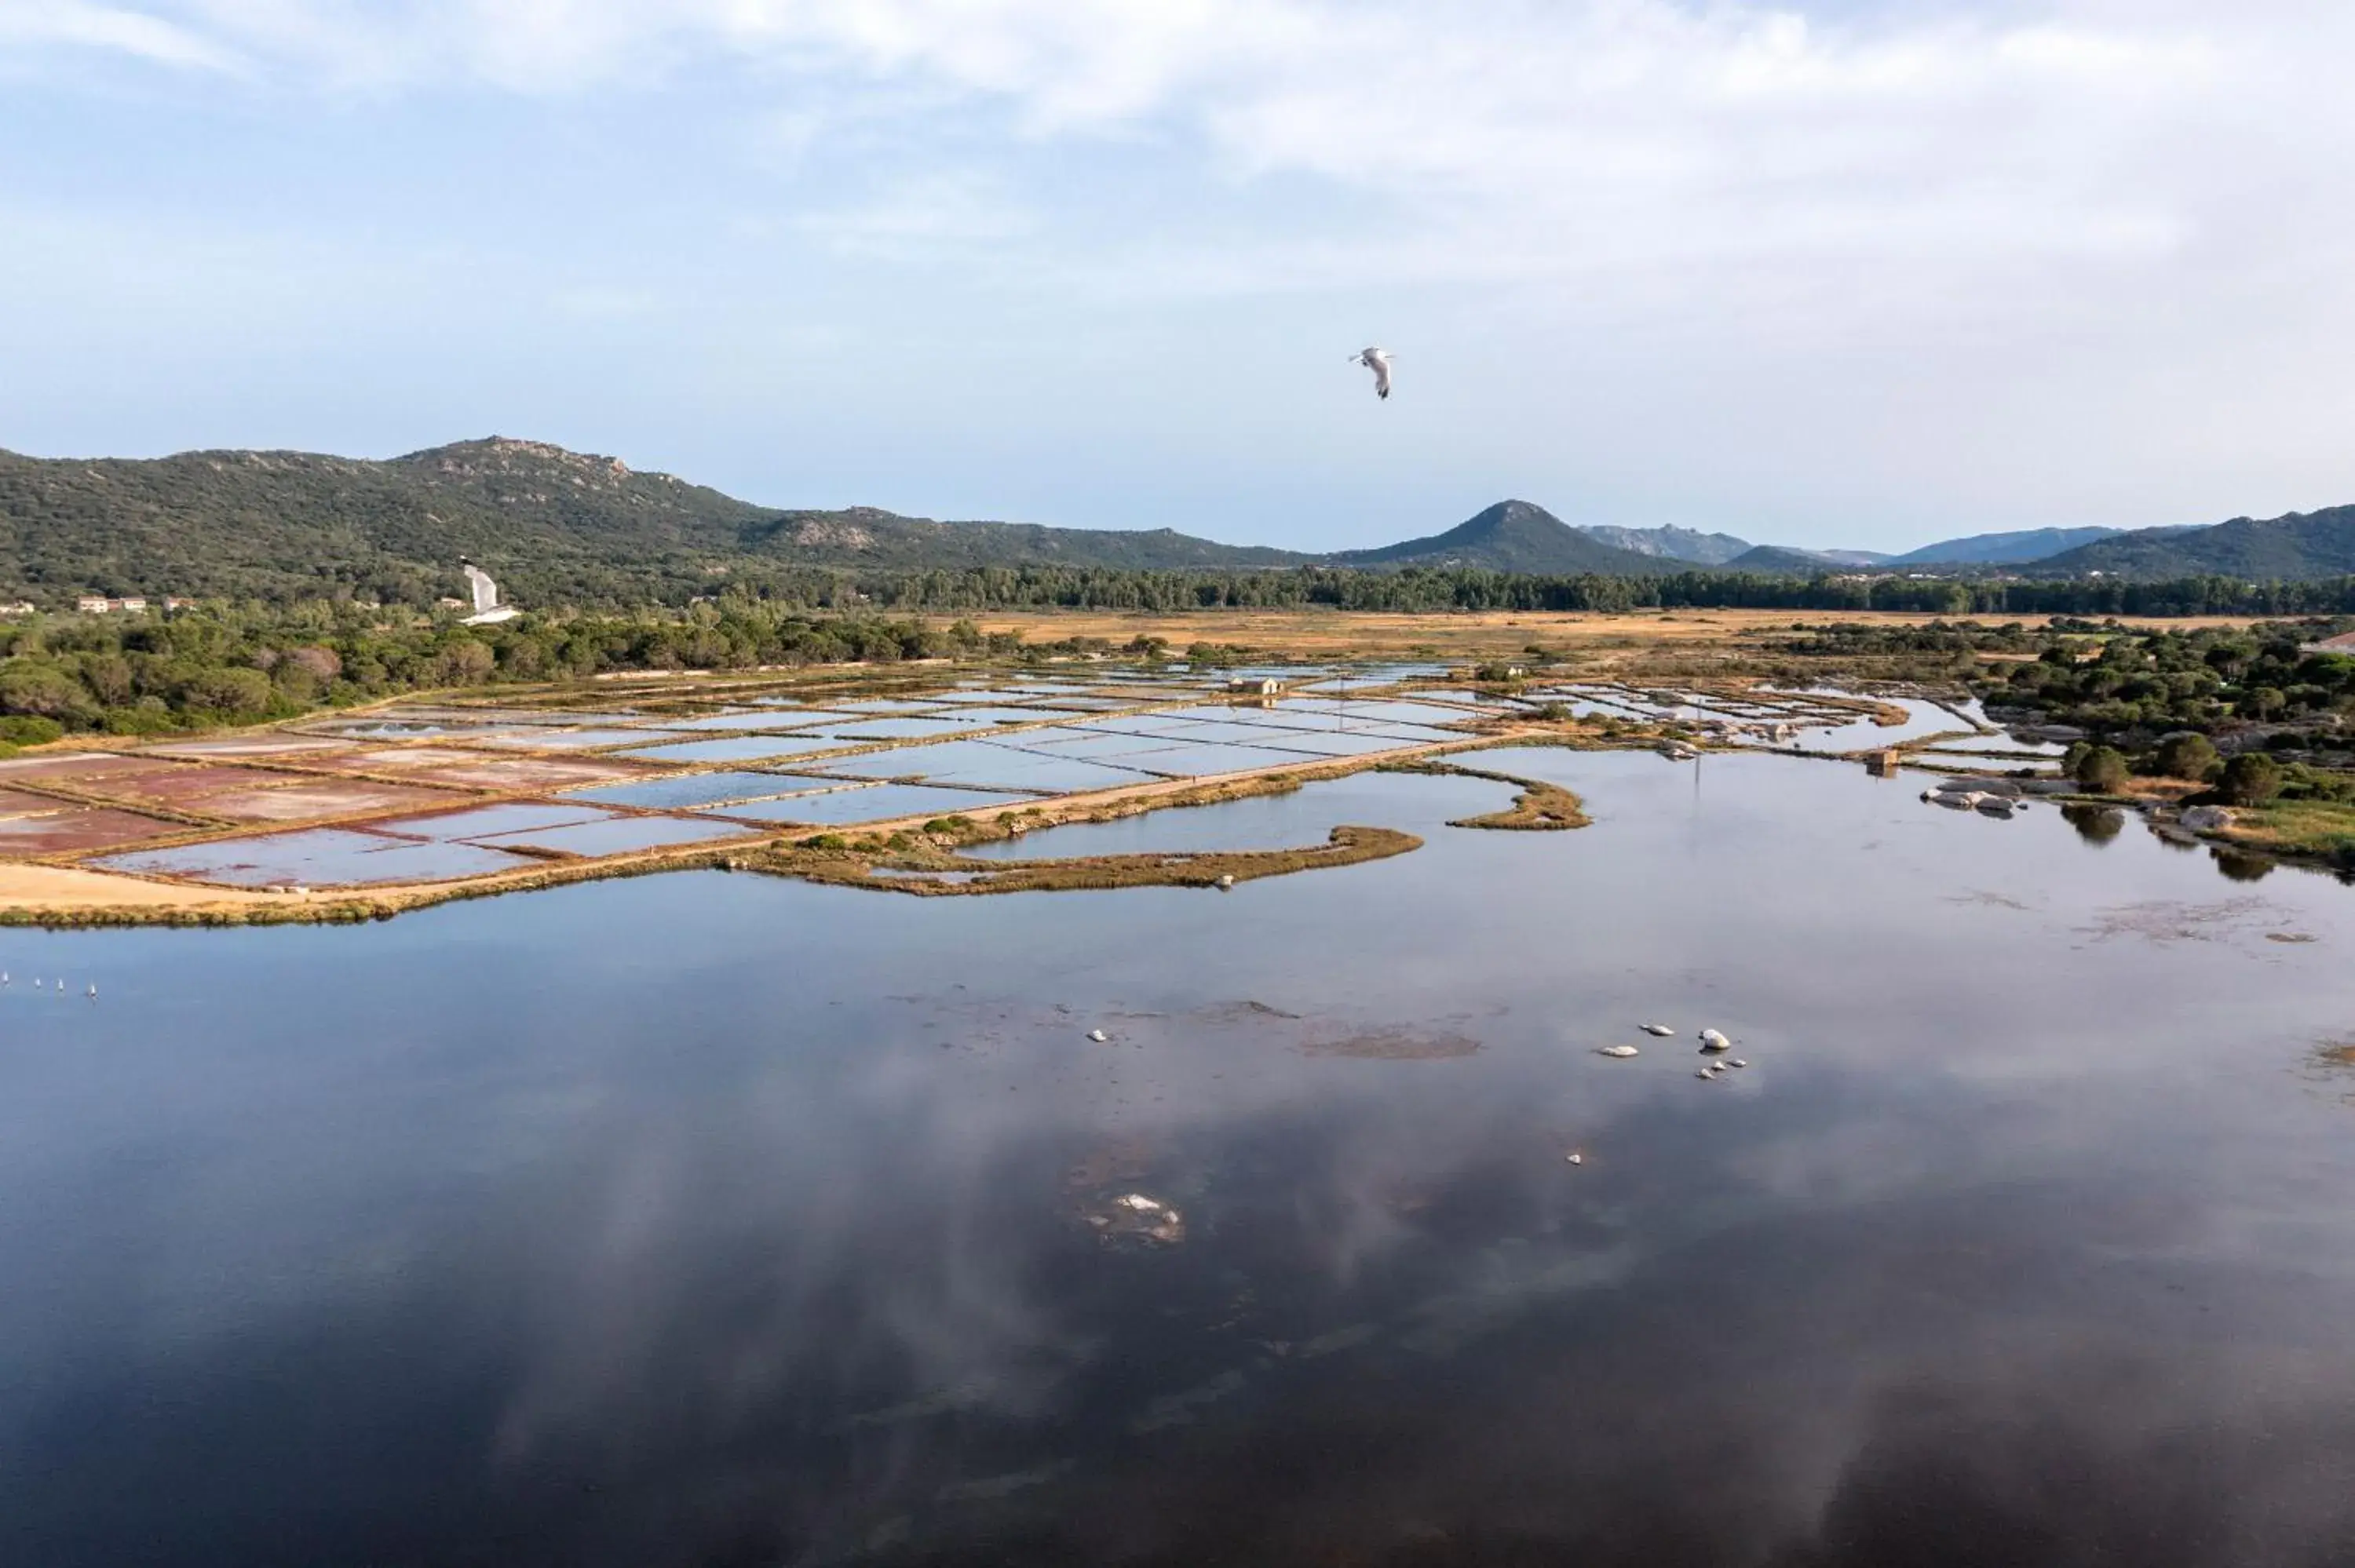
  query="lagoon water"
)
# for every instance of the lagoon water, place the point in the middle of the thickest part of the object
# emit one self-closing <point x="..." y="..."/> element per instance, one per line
<point x="707" y="1219"/>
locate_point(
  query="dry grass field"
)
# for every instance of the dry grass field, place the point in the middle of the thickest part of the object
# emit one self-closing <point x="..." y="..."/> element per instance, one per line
<point x="1459" y="635"/>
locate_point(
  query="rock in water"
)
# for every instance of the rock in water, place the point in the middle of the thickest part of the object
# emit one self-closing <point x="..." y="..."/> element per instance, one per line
<point x="1621" y="1052"/>
<point x="1098" y="1036"/>
<point x="1712" y="1042"/>
<point x="1659" y="1029"/>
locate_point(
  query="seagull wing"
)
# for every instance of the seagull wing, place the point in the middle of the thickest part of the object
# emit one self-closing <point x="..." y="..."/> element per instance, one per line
<point x="1379" y="362"/>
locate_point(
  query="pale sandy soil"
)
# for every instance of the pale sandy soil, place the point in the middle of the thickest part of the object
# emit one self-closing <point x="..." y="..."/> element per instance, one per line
<point x="62" y="887"/>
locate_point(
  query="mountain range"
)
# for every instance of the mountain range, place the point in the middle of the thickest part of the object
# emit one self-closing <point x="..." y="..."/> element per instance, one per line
<point x="558" y="525"/>
<point x="1511" y="537"/>
<point x="2298" y="545"/>
<point x="2000" y="549"/>
<point x="1671" y="543"/>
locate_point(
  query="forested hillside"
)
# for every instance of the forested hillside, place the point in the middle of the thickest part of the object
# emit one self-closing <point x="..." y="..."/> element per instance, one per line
<point x="555" y="527"/>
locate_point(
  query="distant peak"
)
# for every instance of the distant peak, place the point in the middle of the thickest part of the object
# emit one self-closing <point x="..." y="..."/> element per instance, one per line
<point x="510" y="453"/>
<point x="1512" y="511"/>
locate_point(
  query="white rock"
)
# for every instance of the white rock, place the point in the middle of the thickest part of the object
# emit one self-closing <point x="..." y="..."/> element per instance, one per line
<point x="1713" y="1042"/>
<point x="1098" y="1036"/>
<point x="1662" y="1030"/>
<point x="1621" y="1052"/>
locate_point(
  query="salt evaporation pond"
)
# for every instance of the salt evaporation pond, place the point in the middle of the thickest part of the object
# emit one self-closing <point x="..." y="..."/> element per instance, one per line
<point x="712" y="1219"/>
<point x="870" y="803"/>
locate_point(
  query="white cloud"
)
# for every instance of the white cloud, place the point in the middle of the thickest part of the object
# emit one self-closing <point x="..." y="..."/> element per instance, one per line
<point x="33" y="23"/>
<point x="1588" y="136"/>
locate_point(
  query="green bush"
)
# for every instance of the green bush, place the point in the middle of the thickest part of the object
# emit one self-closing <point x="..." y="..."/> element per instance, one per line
<point x="23" y="730"/>
<point x="42" y="691"/>
<point x="2251" y="778"/>
<point x="2102" y="768"/>
<point x="2186" y="757"/>
<point x="149" y="716"/>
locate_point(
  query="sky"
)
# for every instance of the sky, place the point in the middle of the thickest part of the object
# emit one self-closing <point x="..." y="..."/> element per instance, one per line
<point x="1851" y="272"/>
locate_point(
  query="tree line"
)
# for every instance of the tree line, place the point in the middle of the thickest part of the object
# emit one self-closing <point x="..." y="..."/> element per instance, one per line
<point x="221" y="665"/>
<point x="1438" y="589"/>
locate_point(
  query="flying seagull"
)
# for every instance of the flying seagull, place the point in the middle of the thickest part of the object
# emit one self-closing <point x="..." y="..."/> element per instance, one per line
<point x="1377" y="360"/>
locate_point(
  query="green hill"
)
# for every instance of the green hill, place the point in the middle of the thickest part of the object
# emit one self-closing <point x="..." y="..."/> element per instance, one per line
<point x="553" y="525"/>
<point x="1782" y="561"/>
<point x="562" y="527"/>
<point x="2289" y="548"/>
<point x="1511" y="537"/>
<point x="1996" y="549"/>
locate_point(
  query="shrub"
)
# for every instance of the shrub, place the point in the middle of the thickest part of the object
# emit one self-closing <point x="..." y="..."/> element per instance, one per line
<point x="42" y="691"/>
<point x="2251" y="778"/>
<point x="22" y="730"/>
<point x="2102" y="768"/>
<point x="230" y="692"/>
<point x="2186" y="757"/>
<point x="149" y="718"/>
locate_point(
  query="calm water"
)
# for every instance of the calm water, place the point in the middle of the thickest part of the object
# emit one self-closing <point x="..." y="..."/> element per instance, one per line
<point x="709" y="1220"/>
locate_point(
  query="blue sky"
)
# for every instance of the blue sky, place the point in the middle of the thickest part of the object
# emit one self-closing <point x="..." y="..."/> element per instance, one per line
<point x="1858" y="273"/>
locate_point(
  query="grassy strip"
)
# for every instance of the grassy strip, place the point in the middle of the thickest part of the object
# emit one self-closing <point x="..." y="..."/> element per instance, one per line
<point x="2307" y="830"/>
<point x="926" y="875"/>
<point x="1539" y="808"/>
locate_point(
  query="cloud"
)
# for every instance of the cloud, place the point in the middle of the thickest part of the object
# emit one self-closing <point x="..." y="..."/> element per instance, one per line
<point x="34" y="23"/>
<point x="1569" y="139"/>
